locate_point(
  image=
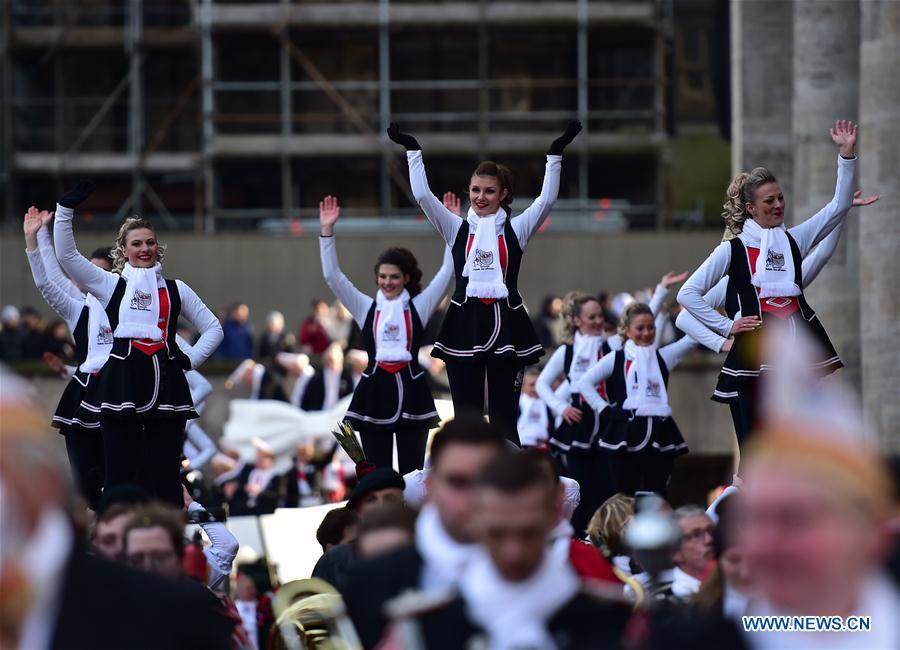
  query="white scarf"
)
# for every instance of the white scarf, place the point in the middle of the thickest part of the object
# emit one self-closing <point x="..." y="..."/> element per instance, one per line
<point x="647" y="394"/>
<point x="774" y="274"/>
<point x="391" y="342"/>
<point x="533" y="421"/>
<point x="585" y="353"/>
<point x="99" y="336"/>
<point x="445" y="558"/>
<point x="515" y="614"/>
<point x="483" y="261"/>
<point x="139" y="309"/>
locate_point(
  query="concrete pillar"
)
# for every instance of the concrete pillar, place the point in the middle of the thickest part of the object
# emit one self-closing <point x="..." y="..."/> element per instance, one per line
<point x="826" y="88"/>
<point x="762" y="87"/>
<point x="879" y="251"/>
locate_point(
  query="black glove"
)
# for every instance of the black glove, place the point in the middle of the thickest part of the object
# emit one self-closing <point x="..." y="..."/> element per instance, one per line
<point x="74" y="197"/>
<point x="556" y="148"/>
<point x="395" y="134"/>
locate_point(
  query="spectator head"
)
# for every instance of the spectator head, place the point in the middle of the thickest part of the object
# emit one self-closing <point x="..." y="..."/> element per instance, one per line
<point x="154" y="540"/>
<point x="726" y="545"/>
<point x="459" y="453"/>
<point x="385" y="529"/>
<point x="551" y="307"/>
<point x="817" y="512"/>
<point x="238" y="312"/>
<point x="58" y="331"/>
<point x="305" y="450"/>
<point x="265" y="454"/>
<point x="339" y="526"/>
<point x="607" y="527"/>
<point x="102" y="257"/>
<point x="381" y="486"/>
<point x="108" y="535"/>
<point x="245" y="589"/>
<point x="529" y="381"/>
<point x="9" y="317"/>
<point x="695" y="550"/>
<point x="517" y="508"/>
<point x="318" y="308"/>
<point x="275" y="322"/>
<point x="333" y="357"/>
<point x="31" y="318"/>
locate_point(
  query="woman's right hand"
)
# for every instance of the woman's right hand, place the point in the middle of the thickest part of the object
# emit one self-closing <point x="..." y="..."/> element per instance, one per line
<point x="329" y="212"/>
<point x="745" y="324"/>
<point x="30" y="226"/>
<point x="727" y="345"/>
<point x="398" y="136"/>
<point x="572" y="415"/>
<point x="452" y="203"/>
<point x="77" y="195"/>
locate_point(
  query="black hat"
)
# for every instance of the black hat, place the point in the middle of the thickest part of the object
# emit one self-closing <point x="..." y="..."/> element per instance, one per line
<point x="380" y="478"/>
<point x="126" y="493"/>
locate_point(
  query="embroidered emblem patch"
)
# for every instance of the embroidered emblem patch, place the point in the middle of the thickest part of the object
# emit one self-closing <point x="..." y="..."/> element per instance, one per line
<point x="391" y="332"/>
<point x="484" y="260"/>
<point x="104" y="335"/>
<point x="141" y="301"/>
<point x="653" y="389"/>
<point x="582" y="363"/>
<point x="774" y="261"/>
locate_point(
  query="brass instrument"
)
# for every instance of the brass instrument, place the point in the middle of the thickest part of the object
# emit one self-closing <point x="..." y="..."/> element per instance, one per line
<point x="310" y="615"/>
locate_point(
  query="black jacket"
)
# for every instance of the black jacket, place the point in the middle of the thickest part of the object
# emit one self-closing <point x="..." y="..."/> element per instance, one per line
<point x="371" y="583"/>
<point x="105" y="605"/>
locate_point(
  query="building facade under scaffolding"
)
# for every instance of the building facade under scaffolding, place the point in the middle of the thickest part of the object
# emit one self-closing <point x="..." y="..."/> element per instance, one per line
<point x="216" y="115"/>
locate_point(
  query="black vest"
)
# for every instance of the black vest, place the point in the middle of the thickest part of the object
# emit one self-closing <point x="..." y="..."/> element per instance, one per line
<point x="314" y="396"/>
<point x="616" y="390"/>
<point x="122" y="347"/>
<point x="513" y="261"/>
<point x="741" y="295"/>
<point x="368" y="334"/>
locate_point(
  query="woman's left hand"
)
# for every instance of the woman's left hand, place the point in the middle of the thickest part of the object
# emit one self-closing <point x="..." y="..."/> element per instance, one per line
<point x="671" y="278"/>
<point x="858" y="201"/>
<point x="556" y="148"/>
<point x="843" y="134"/>
<point x="452" y="203"/>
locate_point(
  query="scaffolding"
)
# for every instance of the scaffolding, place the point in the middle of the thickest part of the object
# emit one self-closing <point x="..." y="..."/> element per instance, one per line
<point x="180" y="140"/>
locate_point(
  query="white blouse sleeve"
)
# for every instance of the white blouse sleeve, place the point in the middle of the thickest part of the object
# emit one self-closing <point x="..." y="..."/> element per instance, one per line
<point x="200" y="316"/>
<point x="816" y="228"/>
<point x="587" y="385"/>
<point x="444" y="221"/>
<point x="658" y="298"/>
<point x="430" y="297"/>
<point x="818" y="258"/>
<point x="93" y="279"/>
<point x="52" y="268"/>
<point x="201" y="449"/>
<point x="673" y="353"/>
<point x="527" y="223"/>
<point x="544" y="385"/>
<point x="697" y="331"/>
<point x="356" y="302"/>
<point x="68" y="308"/>
<point x="707" y="276"/>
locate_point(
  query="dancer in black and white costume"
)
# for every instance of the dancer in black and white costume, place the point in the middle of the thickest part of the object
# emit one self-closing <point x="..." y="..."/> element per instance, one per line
<point x="392" y="396"/>
<point x="636" y="428"/>
<point x="487" y="336"/>
<point x="142" y="397"/>
<point x="574" y="442"/>
<point x="768" y="292"/>
<point x="87" y="321"/>
<point x="715" y="297"/>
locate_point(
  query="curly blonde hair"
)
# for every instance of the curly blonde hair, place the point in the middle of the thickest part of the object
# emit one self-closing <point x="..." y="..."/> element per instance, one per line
<point x="628" y="314"/>
<point x="740" y="192"/>
<point x="572" y="303"/>
<point x="607" y="527"/>
<point x="118" y="248"/>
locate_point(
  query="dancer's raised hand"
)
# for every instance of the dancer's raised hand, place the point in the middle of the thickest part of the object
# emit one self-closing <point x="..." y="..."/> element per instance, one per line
<point x="77" y="194"/>
<point x="557" y="146"/>
<point x="329" y="212"/>
<point x="859" y="202"/>
<point x="843" y="134"/>
<point x="671" y="278"/>
<point x="30" y="226"/>
<point x="398" y="136"/>
<point x="452" y="203"/>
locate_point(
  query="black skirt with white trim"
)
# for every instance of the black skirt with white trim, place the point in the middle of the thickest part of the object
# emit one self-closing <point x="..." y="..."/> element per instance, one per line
<point x="578" y="436"/>
<point x="626" y="432"/>
<point x="392" y="400"/>
<point x="743" y="366"/>
<point x="68" y="416"/>
<point x="476" y="332"/>
<point x="140" y="384"/>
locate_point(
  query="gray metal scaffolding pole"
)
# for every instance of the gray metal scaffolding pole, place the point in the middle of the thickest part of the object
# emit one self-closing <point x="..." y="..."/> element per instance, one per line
<point x="287" y="185"/>
<point x="384" y="100"/>
<point x="206" y="72"/>
<point x="583" y="156"/>
<point x="135" y="100"/>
